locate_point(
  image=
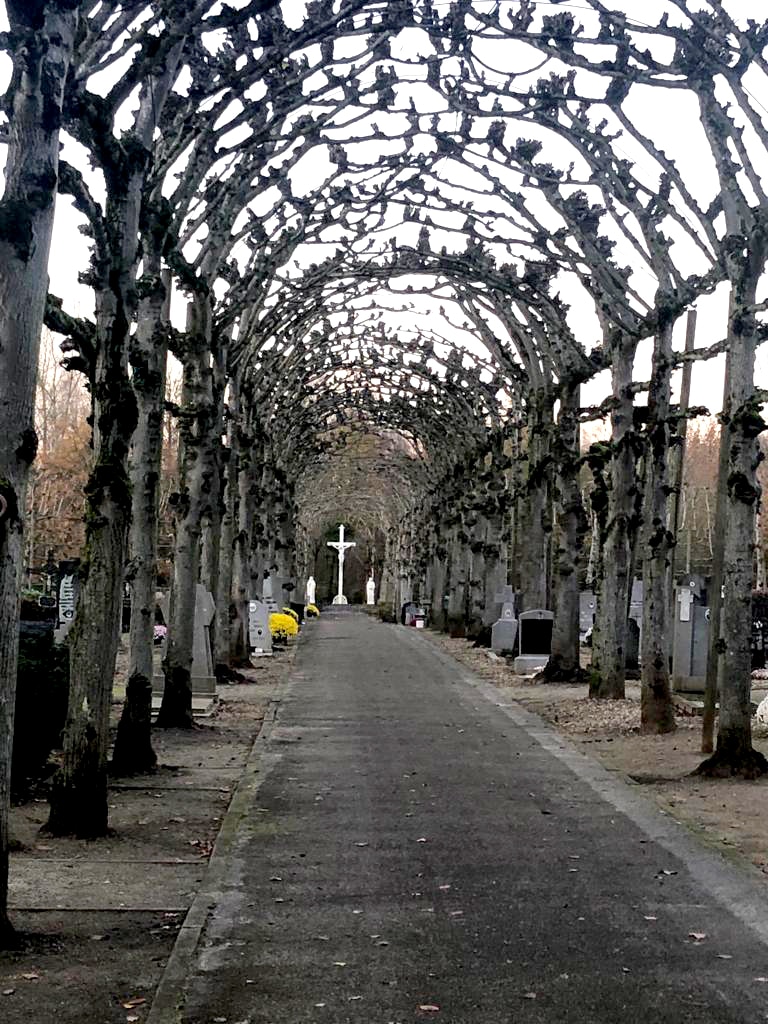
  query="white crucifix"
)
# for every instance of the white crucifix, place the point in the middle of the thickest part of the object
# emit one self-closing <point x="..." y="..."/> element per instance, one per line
<point x="341" y="546"/>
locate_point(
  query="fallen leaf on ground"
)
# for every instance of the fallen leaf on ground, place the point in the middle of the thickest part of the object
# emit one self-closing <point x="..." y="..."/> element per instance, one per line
<point x="421" y="840"/>
<point x="8" y="991"/>
<point x="131" y="1004"/>
<point x="429" y="1008"/>
<point x="650" y="917"/>
<point x="339" y="963"/>
<point x="530" y="995"/>
<point x="697" y="936"/>
<point x="30" y="976"/>
<point x="724" y="956"/>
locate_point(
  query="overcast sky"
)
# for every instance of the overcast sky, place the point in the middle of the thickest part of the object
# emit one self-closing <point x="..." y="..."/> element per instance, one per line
<point x="670" y="117"/>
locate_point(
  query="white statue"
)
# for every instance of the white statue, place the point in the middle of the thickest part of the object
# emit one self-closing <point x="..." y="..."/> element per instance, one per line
<point x="370" y="591"/>
<point x="310" y="591"/>
<point x="341" y="546"/>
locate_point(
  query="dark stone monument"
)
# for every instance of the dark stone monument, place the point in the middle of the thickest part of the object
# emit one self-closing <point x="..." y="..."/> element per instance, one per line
<point x="535" y="640"/>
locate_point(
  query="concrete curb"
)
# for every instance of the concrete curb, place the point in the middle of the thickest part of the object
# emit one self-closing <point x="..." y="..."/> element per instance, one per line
<point x="739" y="888"/>
<point x="168" y="1002"/>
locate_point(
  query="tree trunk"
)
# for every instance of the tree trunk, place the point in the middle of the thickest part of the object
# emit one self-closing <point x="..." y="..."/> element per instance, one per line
<point x="196" y="470"/>
<point x="657" y="713"/>
<point x="41" y="57"/>
<point x="570" y="532"/>
<point x="609" y="644"/>
<point x="742" y="425"/>
<point x="79" y="791"/>
<point x="537" y="515"/>
<point x="248" y="463"/>
<point x="214" y="511"/>
<point x="133" y="753"/>
<point x="223" y="594"/>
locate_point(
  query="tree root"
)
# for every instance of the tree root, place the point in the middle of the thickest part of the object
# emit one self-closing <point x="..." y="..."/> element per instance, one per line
<point x="744" y="764"/>
<point x="553" y="674"/>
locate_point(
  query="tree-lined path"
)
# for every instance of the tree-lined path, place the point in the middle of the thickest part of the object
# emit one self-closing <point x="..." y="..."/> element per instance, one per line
<point x="416" y="843"/>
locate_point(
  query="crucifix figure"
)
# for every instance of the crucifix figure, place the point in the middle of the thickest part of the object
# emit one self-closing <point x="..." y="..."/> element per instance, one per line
<point x="341" y="546"/>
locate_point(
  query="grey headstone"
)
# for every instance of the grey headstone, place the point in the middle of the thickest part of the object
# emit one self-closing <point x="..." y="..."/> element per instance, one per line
<point x="690" y="640"/>
<point x="259" y="633"/>
<point x="202" y="679"/>
<point x="504" y="635"/>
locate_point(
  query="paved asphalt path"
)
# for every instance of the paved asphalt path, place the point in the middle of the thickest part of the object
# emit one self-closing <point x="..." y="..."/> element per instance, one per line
<point x="416" y="844"/>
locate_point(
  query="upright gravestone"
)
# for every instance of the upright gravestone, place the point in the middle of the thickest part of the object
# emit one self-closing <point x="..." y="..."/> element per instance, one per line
<point x="370" y="591"/>
<point x="690" y="642"/>
<point x="202" y="679"/>
<point x="69" y="588"/>
<point x="268" y="592"/>
<point x="259" y="633"/>
<point x="535" y="640"/>
<point x="504" y="631"/>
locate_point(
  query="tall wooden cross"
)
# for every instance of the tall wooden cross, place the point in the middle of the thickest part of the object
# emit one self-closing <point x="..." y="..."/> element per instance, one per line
<point x="341" y="546"/>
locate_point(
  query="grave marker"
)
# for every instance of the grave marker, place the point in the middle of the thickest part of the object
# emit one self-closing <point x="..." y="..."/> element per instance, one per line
<point x="259" y="633"/>
<point x="504" y="631"/>
<point x="535" y="642"/>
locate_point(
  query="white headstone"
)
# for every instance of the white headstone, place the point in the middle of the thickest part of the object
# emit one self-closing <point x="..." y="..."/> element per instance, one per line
<point x="685" y="599"/>
<point x="310" y="591"/>
<point x="370" y="591"/>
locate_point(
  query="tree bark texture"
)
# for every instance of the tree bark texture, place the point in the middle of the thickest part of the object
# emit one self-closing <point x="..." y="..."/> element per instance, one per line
<point x="536" y="518"/>
<point x="609" y="645"/>
<point x="196" y="471"/>
<point x="657" y="713"/>
<point x="570" y="532"/>
<point x="223" y="593"/>
<point x="79" y="791"/>
<point x="741" y="427"/>
<point x="133" y="753"/>
<point x="40" y="46"/>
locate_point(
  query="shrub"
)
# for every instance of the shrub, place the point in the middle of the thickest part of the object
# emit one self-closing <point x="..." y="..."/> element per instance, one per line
<point x="282" y="626"/>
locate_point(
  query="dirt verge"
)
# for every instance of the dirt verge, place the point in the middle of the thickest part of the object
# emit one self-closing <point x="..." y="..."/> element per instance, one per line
<point x="98" y="920"/>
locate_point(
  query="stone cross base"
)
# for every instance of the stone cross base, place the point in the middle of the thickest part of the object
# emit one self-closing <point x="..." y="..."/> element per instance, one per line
<point x="202" y="686"/>
<point x="527" y="664"/>
<point x="340" y="599"/>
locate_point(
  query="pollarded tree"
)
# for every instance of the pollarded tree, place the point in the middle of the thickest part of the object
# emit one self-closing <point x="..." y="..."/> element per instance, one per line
<point x="40" y="43"/>
<point x="715" y="56"/>
<point x="79" y="794"/>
